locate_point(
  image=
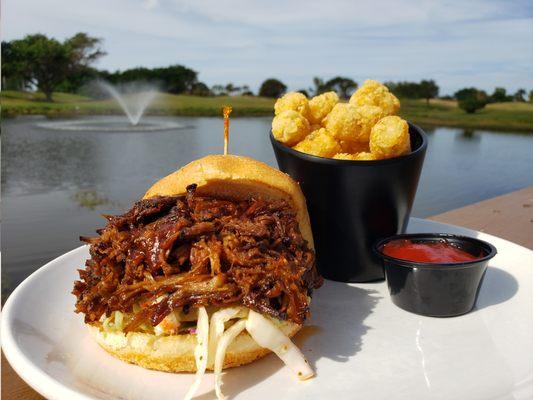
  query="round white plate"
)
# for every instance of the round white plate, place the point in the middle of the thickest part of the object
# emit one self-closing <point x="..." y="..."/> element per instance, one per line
<point x="361" y="345"/>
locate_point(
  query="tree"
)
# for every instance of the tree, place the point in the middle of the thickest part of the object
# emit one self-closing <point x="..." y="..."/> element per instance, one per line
<point x="471" y="99"/>
<point x="246" y="91"/>
<point x="407" y="90"/>
<point x="304" y="92"/>
<point x="42" y="62"/>
<point x="469" y="93"/>
<point x="520" y="95"/>
<point x="428" y="90"/>
<point x="218" y="90"/>
<point x="13" y="75"/>
<point x="530" y="96"/>
<point x="175" y="78"/>
<point x="230" y="88"/>
<point x="499" y="95"/>
<point x="319" y="86"/>
<point x="471" y="105"/>
<point x="272" y="88"/>
<point x="45" y="63"/>
<point x="425" y="89"/>
<point x="201" y="89"/>
<point x="79" y="80"/>
<point x="172" y="79"/>
<point x="342" y="85"/>
<point x="83" y="50"/>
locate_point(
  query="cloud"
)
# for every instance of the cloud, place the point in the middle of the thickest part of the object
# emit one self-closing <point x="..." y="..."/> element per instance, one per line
<point x="150" y="4"/>
<point x="478" y="42"/>
<point x="365" y="13"/>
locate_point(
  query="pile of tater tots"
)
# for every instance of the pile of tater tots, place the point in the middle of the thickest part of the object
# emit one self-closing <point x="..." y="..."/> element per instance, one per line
<point x="365" y="128"/>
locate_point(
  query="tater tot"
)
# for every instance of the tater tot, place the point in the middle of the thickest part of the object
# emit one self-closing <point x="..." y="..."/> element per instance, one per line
<point x="344" y="156"/>
<point x="369" y="115"/>
<point x="290" y="127"/>
<point x="319" y="143"/>
<point x="373" y="93"/>
<point x="294" y="101"/>
<point x="390" y="138"/>
<point x="351" y="147"/>
<point x="365" y="156"/>
<point x="321" y="105"/>
<point x="362" y="156"/>
<point x="344" y="122"/>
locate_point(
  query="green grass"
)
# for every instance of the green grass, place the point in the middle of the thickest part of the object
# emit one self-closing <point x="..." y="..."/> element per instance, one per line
<point x="66" y="105"/>
<point x="498" y="116"/>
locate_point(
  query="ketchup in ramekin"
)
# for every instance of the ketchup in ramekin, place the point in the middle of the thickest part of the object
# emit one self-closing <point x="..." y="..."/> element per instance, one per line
<point x="441" y="252"/>
<point x="434" y="274"/>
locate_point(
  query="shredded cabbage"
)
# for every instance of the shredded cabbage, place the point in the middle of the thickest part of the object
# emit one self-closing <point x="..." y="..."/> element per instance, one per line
<point x="216" y="328"/>
<point x="213" y="339"/>
<point x="119" y="319"/>
<point x="169" y="325"/>
<point x="267" y="335"/>
<point x="222" y="346"/>
<point x="200" y="351"/>
<point x="114" y="322"/>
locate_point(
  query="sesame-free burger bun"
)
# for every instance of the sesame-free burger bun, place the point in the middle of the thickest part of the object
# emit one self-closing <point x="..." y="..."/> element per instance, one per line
<point x="175" y="353"/>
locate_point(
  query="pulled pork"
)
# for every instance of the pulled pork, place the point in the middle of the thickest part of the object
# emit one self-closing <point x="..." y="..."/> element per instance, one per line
<point x="191" y="250"/>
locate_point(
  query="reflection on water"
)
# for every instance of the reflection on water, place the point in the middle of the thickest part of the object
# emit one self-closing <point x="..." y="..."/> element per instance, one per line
<point x="56" y="184"/>
<point x="469" y="134"/>
<point x="90" y="199"/>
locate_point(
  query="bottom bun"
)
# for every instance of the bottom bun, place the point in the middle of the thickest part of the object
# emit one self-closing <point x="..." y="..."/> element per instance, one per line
<point x="175" y="353"/>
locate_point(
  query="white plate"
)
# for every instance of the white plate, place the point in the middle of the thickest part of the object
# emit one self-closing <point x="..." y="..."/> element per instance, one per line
<point x="361" y="345"/>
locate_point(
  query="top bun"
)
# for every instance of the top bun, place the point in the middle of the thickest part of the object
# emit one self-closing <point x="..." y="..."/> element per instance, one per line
<point x="236" y="178"/>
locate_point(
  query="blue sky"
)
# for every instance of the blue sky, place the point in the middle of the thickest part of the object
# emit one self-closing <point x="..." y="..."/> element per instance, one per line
<point x="483" y="43"/>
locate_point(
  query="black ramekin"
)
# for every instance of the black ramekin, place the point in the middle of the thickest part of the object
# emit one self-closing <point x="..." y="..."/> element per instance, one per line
<point x="354" y="203"/>
<point x="436" y="290"/>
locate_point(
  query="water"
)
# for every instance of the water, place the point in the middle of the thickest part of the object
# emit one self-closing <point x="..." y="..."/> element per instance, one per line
<point x="57" y="183"/>
<point x="110" y="124"/>
<point x="133" y="104"/>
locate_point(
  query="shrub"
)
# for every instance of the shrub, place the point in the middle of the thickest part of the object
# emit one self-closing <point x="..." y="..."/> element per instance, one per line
<point x="471" y="104"/>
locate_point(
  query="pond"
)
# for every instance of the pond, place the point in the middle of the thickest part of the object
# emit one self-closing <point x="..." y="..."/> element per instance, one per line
<point x="57" y="183"/>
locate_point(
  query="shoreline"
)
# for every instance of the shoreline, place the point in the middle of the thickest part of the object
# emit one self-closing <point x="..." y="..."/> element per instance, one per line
<point x="261" y="113"/>
<point x="501" y="117"/>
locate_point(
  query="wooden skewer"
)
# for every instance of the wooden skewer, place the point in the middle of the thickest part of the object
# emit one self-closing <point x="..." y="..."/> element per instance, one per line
<point x="226" y="111"/>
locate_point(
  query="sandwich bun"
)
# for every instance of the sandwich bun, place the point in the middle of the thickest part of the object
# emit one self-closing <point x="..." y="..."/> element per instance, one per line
<point x="175" y="353"/>
<point x="222" y="176"/>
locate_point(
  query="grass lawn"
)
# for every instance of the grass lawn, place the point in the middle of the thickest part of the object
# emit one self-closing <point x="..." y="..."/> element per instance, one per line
<point x="66" y="105"/>
<point x="498" y="116"/>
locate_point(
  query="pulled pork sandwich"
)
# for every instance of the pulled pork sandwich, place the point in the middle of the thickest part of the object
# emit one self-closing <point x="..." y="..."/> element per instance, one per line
<point x="213" y="268"/>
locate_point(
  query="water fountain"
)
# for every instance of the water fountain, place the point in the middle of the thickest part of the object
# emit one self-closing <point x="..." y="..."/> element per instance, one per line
<point x="133" y="99"/>
<point x="132" y="105"/>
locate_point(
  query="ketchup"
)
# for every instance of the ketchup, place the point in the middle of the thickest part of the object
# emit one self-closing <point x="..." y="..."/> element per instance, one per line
<point x="428" y="252"/>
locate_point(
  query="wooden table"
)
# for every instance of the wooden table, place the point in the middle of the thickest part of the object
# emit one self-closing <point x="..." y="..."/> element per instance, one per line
<point x="509" y="216"/>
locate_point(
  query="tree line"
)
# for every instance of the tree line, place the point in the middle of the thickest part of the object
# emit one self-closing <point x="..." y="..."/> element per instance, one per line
<point x="48" y="65"/>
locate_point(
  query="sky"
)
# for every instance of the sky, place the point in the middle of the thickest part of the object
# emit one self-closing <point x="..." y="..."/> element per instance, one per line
<point x="481" y="43"/>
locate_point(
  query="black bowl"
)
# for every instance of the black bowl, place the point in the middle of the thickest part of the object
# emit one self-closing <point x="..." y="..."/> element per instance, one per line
<point x="354" y="203"/>
<point x="436" y="290"/>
